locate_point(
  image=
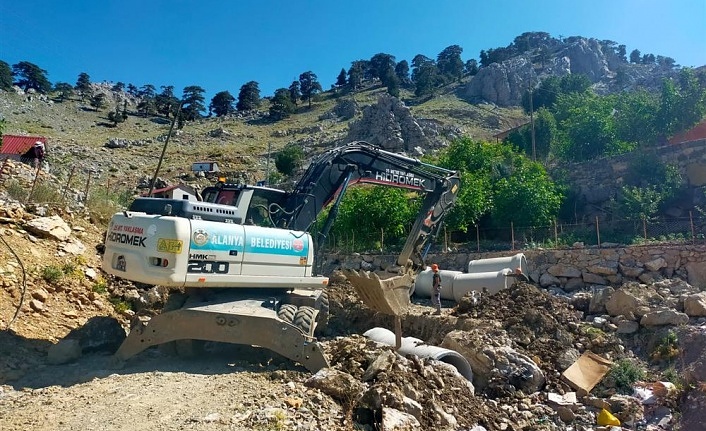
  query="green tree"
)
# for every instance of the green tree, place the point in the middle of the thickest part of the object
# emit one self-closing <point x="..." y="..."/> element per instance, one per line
<point x="30" y="75"/>
<point x="289" y="159"/>
<point x="365" y="213"/>
<point x="545" y="135"/>
<point x="309" y="86"/>
<point x="471" y="67"/>
<point x="166" y="102"/>
<point x="222" y="103"/>
<point x="649" y="185"/>
<point x="392" y="83"/>
<point x="449" y="63"/>
<point x="281" y="105"/>
<point x="5" y="76"/>
<point x="356" y="74"/>
<point x="635" y="56"/>
<point x="148" y="102"/>
<point x="193" y="102"/>
<point x="525" y="197"/>
<point x="635" y="117"/>
<point x="118" y="87"/>
<point x="64" y="89"/>
<point x="587" y="127"/>
<point x="490" y="175"/>
<point x="83" y="85"/>
<point x="98" y="101"/>
<point x="249" y="97"/>
<point x="474" y="161"/>
<point x="118" y="116"/>
<point x="402" y="72"/>
<point x="381" y="64"/>
<point x="294" y="92"/>
<point x="341" y="79"/>
<point x="427" y="79"/>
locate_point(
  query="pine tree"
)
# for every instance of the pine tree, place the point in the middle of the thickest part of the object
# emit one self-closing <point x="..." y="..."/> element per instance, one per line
<point x="31" y="76"/>
<point x="294" y="92"/>
<point x="309" y="85"/>
<point x="222" y="103"/>
<point x="341" y="80"/>
<point x="249" y="97"/>
<point x="83" y="85"/>
<point x="5" y="76"/>
<point x="281" y="105"/>
<point x="193" y="102"/>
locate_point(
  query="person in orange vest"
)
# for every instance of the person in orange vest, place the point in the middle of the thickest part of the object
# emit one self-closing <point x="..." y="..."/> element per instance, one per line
<point x="436" y="288"/>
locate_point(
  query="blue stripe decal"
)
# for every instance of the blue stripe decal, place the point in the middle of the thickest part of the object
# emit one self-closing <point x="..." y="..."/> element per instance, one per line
<point x="256" y="240"/>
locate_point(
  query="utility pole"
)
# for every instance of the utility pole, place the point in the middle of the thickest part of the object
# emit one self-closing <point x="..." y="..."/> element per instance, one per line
<point x="267" y="176"/>
<point x="164" y="149"/>
<point x="534" y="147"/>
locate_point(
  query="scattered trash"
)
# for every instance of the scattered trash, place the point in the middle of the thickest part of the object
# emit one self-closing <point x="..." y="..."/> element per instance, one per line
<point x="651" y="393"/>
<point x="567" y="400"/>
<point x="606" y="418"/>
<point x="587" y="371"/>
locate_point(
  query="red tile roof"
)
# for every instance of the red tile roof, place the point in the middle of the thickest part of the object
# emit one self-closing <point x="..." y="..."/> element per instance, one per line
<point x="694" y="134"/>
<point x="13" y="144"/>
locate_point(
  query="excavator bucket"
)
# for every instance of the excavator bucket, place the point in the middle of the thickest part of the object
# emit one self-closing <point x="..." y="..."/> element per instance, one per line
<point x="387" y="296"/>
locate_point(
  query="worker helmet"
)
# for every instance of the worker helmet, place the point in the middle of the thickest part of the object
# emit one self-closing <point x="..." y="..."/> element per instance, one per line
<point x="434" y="267"/>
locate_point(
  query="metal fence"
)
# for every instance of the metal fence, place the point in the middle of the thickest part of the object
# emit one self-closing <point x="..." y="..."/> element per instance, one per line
<point x="682" y="230"/>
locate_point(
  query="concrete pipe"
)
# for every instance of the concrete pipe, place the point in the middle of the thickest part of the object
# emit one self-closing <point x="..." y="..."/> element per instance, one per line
<point x="491" y="282"/>
<point x="422" y="283"/>
<point x="455" y="284"/>
<point x="415" y="346"/>
<point x="497" y="263"/>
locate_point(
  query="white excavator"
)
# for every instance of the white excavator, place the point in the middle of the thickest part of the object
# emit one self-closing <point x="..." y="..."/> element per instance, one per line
<point x="243" y="263"/>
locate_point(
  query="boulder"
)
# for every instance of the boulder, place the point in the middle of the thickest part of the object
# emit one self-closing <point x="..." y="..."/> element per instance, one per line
<point x="53" y="227"/>
<point x="336" y="384"/>
<point x="395" y="420"/>
<point x="622" y="303"/>
<point x="696" y="271"/>
<point x="695" y="305"/>
<point x="664" y="317"/>
<point x="562" y="270"/>
<point x="600" y="297"/>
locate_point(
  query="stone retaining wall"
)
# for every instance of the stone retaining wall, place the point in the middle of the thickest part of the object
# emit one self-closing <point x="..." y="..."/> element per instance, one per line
<point x="572" y="269"/>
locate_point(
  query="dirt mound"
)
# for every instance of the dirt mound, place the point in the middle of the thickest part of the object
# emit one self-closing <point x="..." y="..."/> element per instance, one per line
<point x="543" y="326"/>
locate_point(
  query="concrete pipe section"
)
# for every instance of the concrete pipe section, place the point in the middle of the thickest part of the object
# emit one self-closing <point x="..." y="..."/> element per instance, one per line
<point x="455" y="284"/>
<point x="415" y="346"/>
<point x="498" y="263"/>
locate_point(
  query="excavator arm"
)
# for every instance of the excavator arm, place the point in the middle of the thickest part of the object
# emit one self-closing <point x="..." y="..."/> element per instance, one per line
<point x="329" y="175"/>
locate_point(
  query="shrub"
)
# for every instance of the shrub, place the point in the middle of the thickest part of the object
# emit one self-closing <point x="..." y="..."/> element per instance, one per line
<point x="52" y="274"/>
<point x="624" y="374"/>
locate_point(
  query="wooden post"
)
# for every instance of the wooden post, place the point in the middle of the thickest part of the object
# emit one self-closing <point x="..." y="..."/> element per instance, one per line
<point x="107" y="187"/>
<point x="598" y="232"/>
<point x="446" y="241"/>
<point x="34" y="183"/>
<point x="644" y="228"/>
<point x="512" y="233"/>
<point x="398" y="332"/>
<point x="556" y="235"/>
<point x="382" y="239"/>
<point x="691" y="222"/>
<point x="88" y="183"/>
<point x="477" y="239"/>
<point x="68" y="183"/>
